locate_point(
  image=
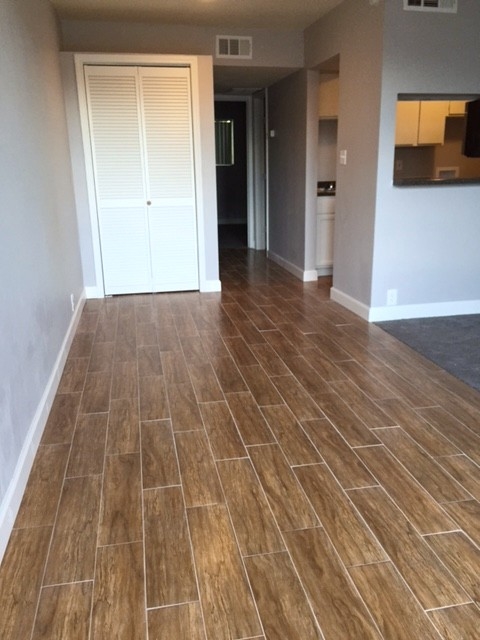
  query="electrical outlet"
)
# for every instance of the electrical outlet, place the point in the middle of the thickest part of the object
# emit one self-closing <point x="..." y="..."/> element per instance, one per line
<point x="392" y="295"/>
<point x="343" y="156"/>
<point x="72" y="301"/>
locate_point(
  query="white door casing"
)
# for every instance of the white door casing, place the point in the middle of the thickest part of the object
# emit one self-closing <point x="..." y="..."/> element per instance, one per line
<point x="256" y="165"/>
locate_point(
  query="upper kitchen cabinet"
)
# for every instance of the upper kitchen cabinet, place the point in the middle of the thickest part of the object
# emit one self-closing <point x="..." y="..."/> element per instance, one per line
<point x="457" y="107"/>
<point x="431" y="124"/>
<point x="421" y="122"/>
<point x="432" y="141"/>
<point x="406" y="129"/>
<point x="328" y="98"/>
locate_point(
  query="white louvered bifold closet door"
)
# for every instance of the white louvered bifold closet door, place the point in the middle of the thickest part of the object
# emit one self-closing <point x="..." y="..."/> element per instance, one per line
<point x="142" y="148"/>
<point x="170" y="177"/>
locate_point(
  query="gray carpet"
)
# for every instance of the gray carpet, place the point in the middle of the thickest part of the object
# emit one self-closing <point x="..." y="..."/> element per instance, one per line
<point x="452" y="342"/>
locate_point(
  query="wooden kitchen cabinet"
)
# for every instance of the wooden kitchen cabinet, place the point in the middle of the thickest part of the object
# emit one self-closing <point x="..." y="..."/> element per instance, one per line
<point x="431" y="125"/>
<point x="420" y="122"/>
<point x="328" y="98"/>
<point x="406" y="130"/>
<point x="457" y="107"/>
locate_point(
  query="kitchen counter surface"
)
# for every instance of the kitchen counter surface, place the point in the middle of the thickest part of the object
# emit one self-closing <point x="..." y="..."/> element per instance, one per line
<point x="326" y="188"/>
<point x="433" y="182"/>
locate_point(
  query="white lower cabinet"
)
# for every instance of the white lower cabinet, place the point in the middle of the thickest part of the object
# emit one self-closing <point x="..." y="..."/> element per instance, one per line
<point x="325" y="228"/>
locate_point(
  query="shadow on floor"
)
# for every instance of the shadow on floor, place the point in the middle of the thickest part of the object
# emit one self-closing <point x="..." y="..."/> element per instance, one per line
<point x="232" y="236"/>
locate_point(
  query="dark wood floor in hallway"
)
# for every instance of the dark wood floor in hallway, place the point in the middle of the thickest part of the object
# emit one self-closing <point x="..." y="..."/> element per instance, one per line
<point x="255" y="464"/>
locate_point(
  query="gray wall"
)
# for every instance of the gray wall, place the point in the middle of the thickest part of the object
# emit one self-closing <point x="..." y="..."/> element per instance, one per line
<point x="39" y="253"/>
<point x="416" y="162"/>
<point x="327" y="150"/>
<point x="426" y="239"/>
<point x="67" y="65"/>
<point x="421" y="241"/>
<point x="311" y="169"/>
<point x="270" y="48"/>
<point x="354" y="31"/>
<point x="292" y="114"/>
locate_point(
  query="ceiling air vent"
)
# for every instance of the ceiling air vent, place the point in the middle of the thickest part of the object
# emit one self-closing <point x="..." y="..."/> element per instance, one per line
<point x="442" y="6"/>
<point x="234" y="47"/>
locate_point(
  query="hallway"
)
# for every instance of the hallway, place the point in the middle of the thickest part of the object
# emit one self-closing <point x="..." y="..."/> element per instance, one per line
<point x="259" y="463"/>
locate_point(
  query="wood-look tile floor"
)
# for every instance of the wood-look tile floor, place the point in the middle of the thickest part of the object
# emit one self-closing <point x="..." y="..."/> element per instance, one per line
<point x="259" y="463"/>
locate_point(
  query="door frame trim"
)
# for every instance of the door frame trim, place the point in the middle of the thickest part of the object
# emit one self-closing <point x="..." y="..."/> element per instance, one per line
<point x="82" y="59"/>
<point x="254" y="208"/>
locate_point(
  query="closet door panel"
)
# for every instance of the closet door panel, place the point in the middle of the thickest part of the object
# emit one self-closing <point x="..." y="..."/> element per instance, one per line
<point x="118" y="157"/>
<point x="174" y="257"/>
<point x="168" y="131"/>
<point x="167" y="118"/>
<point x="115" y="132"/>
<point x="125" y="250"/>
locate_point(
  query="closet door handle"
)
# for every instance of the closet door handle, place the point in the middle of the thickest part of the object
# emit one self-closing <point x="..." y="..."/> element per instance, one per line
<point x="149" y="202"/>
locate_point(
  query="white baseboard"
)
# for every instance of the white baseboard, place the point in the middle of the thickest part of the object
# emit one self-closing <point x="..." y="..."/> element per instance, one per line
<point x="13" y="496"/>
<point x="310" y="276"/>
<point x="93" y="292"/>
<point x="304" y="276"/>
<point x="405" y="311"/>
<point x="324" y="271"/>
<point x="350" y="303"/>
<point x="205" y="287"/>
<point x="210" y="286"/>
<point x="429" y="310"/>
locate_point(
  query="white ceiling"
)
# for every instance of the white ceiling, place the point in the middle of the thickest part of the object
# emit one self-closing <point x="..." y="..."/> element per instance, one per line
<point x="272" y="14"/>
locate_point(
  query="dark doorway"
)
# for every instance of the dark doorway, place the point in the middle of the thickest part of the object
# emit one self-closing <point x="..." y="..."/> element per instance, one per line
<point x="232" y="177"/>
